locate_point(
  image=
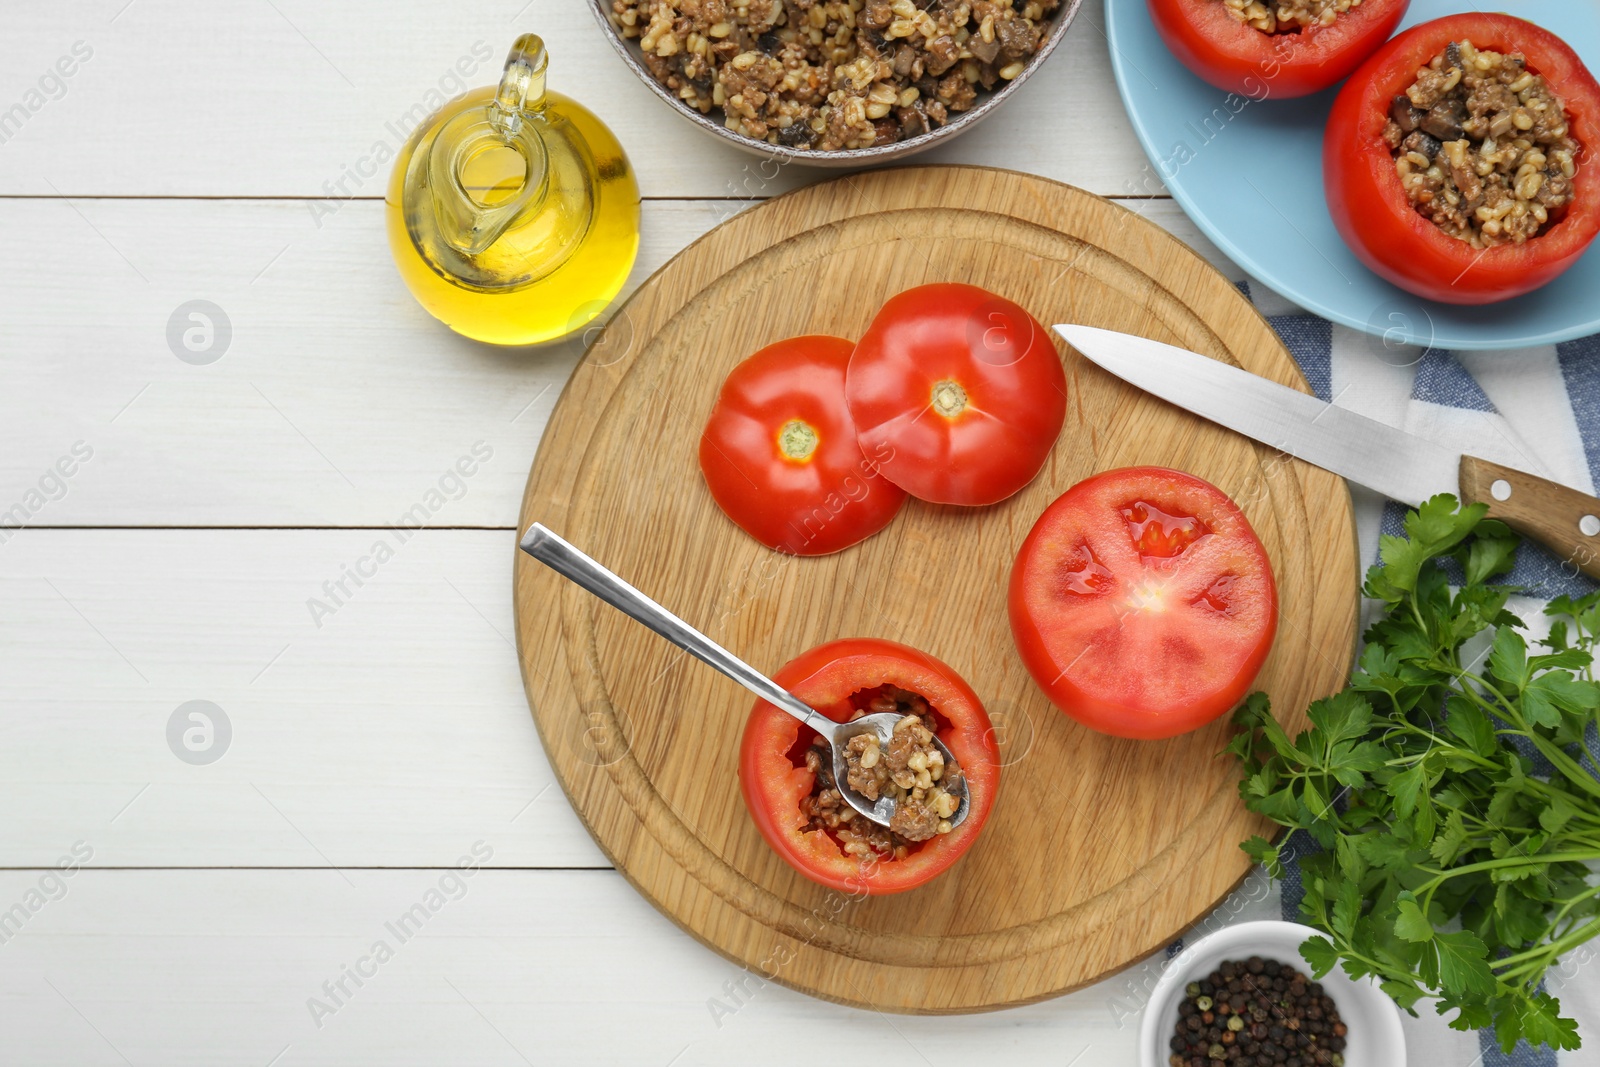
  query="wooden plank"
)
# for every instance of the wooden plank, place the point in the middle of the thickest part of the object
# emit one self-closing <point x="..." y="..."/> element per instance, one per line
<point x="513" y="967"/>
<point x="385" y="736"/>
<point x="297" y="98"/>
<point x="218" y="968"/>
<point x="337" y="400"/>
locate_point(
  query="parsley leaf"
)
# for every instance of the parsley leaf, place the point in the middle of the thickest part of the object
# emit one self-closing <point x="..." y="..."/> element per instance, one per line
<point x="1463" y="965"/>
<point x="1410" y="923"/>
<point x="1320" y="954"/>
<point x="1536" y="1020"/>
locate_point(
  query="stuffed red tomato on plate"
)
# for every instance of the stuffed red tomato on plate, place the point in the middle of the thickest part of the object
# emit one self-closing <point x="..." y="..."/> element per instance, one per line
<point x="1458" y="159"/>
<point x="1143" y="603"/>
<point x="785" y="769"/>
<point x="1275" y="49"/>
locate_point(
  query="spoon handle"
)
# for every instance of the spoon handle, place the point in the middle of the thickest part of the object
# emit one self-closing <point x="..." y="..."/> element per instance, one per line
<point x="572" y="564"/>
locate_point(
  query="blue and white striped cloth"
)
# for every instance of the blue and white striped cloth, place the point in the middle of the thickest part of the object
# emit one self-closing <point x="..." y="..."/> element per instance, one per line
<point x="1536" y="409"/>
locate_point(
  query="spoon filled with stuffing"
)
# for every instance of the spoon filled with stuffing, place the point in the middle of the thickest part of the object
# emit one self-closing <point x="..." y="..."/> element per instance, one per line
<point x="887" y="764"/>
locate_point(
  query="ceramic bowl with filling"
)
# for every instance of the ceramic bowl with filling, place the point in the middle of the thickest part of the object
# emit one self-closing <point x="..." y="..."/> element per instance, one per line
<point x="1051" y="31"/>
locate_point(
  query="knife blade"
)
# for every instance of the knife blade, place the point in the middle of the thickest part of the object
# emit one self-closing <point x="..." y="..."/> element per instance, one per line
<point x="1398" y="464"/>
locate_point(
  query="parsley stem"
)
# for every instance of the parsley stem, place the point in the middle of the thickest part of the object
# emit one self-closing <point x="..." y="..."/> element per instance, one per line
<point x="1572" y="902"/>
<point x="1546" y="858"/>
<point x="1540" y="957"/>
<point x="1568" y="767"/>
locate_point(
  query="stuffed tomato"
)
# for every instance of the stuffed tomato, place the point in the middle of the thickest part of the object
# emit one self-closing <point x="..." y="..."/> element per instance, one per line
<point x="785" y="770"/>
<point x="1458" y="159"/>
<point x="1275" y="48"/>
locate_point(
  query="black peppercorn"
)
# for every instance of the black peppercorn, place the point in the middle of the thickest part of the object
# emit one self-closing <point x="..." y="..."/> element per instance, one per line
<point x="1257" y="1013"/>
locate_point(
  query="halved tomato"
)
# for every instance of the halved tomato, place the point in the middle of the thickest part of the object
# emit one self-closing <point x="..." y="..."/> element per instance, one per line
<point x="1142" y="602"/>
<point x="781" y="457"/>
<point x="961" y="392"/>
<point x="1233" y="55"/>
<point x="1370" y="206"/>
<point x="835" y="678"/>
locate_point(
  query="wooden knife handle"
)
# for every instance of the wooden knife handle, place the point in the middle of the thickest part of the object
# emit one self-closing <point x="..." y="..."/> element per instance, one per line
<point x="1564" y="520"/>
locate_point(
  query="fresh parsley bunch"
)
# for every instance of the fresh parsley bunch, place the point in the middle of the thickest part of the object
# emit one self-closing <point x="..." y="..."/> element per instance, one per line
<point x="1451" y="869"/>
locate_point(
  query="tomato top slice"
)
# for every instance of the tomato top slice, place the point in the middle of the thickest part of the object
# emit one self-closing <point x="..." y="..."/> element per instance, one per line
<point x="1370" y="206"/>
<point x="959" y="392"/>
<point x="780" y="453"/>
<point x="1239" y="58"/>
<point x="774" y="779"/>
<point x="1142" y="602"/>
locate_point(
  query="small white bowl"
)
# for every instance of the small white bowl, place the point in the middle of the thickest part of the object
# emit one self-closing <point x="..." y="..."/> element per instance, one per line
<point x="1375" y="1038"/>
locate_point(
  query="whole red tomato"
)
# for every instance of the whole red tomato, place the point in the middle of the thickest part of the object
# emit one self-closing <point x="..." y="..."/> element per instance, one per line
<point x="780" y="452"/>
<point x="835" y="678"/>
<point x="1142" y="602"/>
<point x="958" y="392"/>
<point x="1241" y="59"/>
<point x="1377" y="219"/>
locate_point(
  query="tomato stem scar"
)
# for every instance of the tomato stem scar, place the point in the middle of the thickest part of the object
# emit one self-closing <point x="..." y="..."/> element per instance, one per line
<point x="949" y="399"/>
<point x="797" y="440"/>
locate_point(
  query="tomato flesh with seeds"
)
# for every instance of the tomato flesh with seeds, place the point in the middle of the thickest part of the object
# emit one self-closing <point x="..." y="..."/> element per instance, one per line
<point x="1369" y="204"/>
<point x="781" y="457"/>
<point x="1143" y="603"/>
<point x="1241" y="59"/>
<point x="959" y="393"/>
<point x="834" y="678"/>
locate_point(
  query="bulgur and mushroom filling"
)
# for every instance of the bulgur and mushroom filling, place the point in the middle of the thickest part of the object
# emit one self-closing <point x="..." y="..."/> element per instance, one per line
<point x="826" y="75"/>
<point x="1483" y="147"/>
<point x="910" y="770"/>
<point x="1287" y="16"/>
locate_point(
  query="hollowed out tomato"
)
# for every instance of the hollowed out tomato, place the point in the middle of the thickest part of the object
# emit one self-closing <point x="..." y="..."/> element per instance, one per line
<point x="961" y="391"/>
<point x="780" y="453"/>
<point x="1142" y="602"/>
<point x="1242" y="59"/>
<point x="774" y="779"/>
<point x="1376" y="218"/>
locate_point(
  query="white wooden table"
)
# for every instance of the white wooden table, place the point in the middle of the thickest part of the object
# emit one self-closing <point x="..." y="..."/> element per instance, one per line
<point x="178" y="518"/>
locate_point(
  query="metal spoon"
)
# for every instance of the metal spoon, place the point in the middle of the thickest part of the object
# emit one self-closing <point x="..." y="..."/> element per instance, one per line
<point x="567" y="561"/>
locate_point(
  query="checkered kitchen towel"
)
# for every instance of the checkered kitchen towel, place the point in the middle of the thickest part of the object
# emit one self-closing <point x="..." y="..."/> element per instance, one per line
<point x="1536" y="409"/>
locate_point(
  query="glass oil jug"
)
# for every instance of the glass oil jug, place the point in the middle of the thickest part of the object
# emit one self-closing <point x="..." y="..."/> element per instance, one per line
<point x="513" y="213"/>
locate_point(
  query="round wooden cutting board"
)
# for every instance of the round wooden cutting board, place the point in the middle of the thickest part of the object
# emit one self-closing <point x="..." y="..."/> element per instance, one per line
<point x="1099" y="850"/>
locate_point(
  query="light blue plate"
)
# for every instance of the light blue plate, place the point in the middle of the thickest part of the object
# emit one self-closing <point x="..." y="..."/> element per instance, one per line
<point x="1222" y="166"/>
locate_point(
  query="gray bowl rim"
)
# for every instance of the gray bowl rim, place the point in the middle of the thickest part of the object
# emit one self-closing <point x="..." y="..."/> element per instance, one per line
<point x="845" y="157"/>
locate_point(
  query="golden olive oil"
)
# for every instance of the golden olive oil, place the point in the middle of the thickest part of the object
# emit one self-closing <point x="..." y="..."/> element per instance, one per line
<point x="513" y="213"/>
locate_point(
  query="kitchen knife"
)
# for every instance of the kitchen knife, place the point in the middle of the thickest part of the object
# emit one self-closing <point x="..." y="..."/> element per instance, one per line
<point x="1397" y="464"/>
